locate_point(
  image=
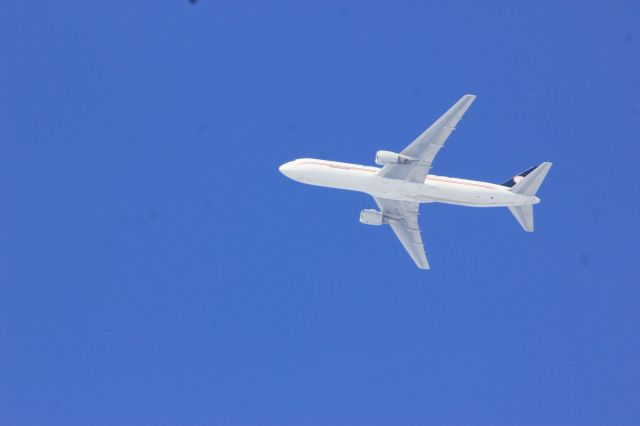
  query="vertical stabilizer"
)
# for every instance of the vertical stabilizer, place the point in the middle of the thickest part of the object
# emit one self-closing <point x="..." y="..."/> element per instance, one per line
<point x="524" y="216"/>
<point x="530" y="183"/>
<point x="527" y="183"/>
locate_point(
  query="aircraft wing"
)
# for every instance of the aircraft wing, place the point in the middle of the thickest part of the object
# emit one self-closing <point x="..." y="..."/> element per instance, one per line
<point x="427" y="145"/>
<point x="405" y="225"/>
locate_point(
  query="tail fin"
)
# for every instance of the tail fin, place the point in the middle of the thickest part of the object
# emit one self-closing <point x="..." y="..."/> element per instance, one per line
<point x="527" y="183"/>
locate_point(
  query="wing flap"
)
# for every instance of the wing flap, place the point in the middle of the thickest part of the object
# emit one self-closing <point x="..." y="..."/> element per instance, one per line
<point x="406" y="227"/>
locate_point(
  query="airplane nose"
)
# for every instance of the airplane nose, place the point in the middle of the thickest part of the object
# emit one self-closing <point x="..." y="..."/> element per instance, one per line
<point x="292" y="171"/>
<point x="285" y="169"/>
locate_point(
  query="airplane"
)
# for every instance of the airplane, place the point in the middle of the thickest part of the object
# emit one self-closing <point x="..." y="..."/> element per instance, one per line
<point x="404" y="182"/>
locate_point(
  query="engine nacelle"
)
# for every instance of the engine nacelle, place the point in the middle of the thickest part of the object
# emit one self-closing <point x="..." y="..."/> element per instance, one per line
<point x="372" y="217"/>
<point x="388" y="157"/>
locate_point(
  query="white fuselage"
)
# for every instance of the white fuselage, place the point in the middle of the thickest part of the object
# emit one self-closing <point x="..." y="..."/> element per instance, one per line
<point x="439" y="189"/>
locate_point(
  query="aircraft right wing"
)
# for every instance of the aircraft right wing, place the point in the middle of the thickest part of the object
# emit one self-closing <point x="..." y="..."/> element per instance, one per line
<point x="424" y="149"/>
<point x="404" y="223"/>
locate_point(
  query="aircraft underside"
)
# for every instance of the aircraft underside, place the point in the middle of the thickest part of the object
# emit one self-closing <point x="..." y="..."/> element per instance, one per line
<point x="404" y="182"/>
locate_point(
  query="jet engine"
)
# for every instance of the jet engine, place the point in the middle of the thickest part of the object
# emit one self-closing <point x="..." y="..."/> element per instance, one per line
<point x="388" y="157"/>
<point x="372" y="217"/>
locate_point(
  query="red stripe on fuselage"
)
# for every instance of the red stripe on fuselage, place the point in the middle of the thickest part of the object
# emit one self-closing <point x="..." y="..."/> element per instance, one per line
<point x="360" y="169"/>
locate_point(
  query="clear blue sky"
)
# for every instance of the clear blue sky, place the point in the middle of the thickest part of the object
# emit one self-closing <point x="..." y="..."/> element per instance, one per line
<point x="156" y="269"/>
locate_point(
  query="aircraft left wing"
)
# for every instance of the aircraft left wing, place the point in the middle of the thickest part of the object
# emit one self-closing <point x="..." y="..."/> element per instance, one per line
<point x="404" y="223"/>
<point x="424" y="149"/>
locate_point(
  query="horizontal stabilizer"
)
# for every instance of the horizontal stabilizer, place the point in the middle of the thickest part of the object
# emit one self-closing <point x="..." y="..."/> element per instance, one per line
<point x="530" y="183"/>
<point x="524" y="216"/>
